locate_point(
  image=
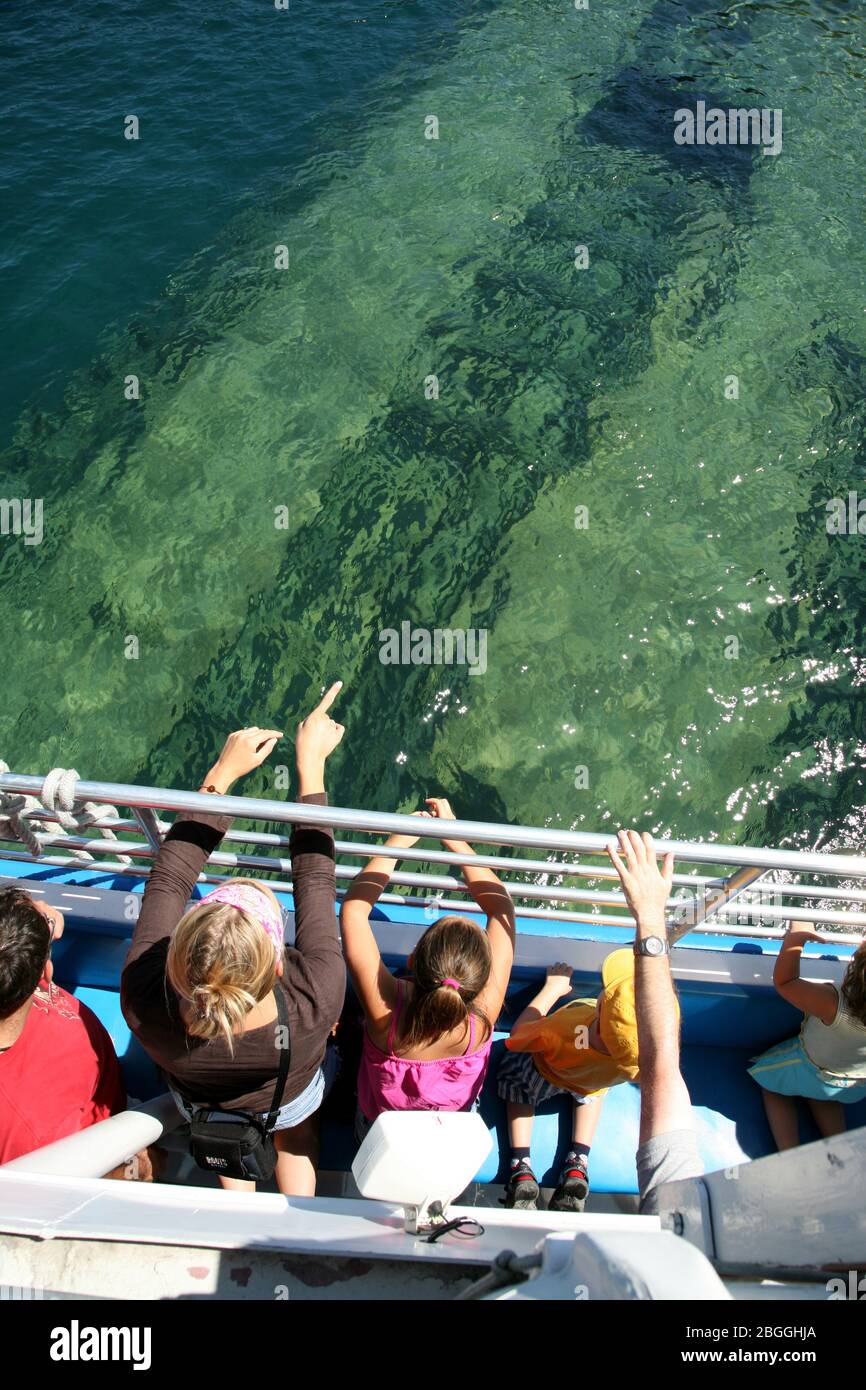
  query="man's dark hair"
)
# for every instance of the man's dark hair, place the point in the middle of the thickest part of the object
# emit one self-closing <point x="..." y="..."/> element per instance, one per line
<point x="24" y="941"/>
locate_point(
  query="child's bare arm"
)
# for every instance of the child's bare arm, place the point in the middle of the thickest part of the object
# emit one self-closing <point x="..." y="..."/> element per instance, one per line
<point x="373" y="981"/>
<point x="555" y="987"/>
<point x="493" y="898"/>
<point x="821" y="1000"/>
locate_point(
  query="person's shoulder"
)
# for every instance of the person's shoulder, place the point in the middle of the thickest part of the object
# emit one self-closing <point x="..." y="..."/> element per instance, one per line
<point x="58" y="1010"/>
<point x="53" y="1004"/>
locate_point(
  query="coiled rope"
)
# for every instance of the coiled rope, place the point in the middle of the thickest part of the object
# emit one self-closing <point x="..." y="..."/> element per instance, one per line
<point x="19" y="818"/>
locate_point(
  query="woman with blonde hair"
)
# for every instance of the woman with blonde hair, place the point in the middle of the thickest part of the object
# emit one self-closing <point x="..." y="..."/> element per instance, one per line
<point x="215" y="997"/>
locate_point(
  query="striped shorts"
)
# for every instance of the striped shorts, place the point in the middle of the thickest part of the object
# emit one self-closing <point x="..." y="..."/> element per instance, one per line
<point x="519" y="1080"/>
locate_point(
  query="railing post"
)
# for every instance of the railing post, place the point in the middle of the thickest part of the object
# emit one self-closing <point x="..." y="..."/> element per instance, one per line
<point x="685" y="919"/>
<point x="149" y="825"/>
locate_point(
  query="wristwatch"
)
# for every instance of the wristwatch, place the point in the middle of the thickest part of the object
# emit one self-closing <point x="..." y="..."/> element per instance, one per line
<point x="651" y="946"/>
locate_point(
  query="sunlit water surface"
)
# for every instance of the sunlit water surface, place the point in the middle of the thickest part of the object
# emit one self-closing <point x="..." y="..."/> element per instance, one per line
<point x="613" y="689"/>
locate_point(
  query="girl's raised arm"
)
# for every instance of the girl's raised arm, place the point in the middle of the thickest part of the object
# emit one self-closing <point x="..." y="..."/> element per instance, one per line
<point x="374" y="984"/>
<point x="821" y="1000"/>
<point x="495" y="902"/>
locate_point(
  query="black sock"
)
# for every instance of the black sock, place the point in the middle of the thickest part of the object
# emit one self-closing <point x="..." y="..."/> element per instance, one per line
<point x="519" y="1156"/>
<point x="575" y="1152"/>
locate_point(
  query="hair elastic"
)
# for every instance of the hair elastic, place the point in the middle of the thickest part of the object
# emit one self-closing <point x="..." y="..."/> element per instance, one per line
<point x="451" y="984"/>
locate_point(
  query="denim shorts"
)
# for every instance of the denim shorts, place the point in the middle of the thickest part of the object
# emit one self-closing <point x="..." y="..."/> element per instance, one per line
<point x="294" y="1112"/>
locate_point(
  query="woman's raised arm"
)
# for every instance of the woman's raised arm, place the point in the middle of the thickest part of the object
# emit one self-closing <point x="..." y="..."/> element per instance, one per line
<point x="191" y="840"/>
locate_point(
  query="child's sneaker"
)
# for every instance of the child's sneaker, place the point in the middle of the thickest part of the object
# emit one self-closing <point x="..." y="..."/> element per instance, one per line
<point x="573" y="1187"/>
<point x="522" y="1191"/>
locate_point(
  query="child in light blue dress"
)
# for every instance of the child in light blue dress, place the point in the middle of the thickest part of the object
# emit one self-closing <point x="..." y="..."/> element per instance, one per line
<point x="825" y="1063"/>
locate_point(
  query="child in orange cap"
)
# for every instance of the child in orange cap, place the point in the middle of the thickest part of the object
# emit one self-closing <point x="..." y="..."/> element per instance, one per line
<point x="579" y="1050"/>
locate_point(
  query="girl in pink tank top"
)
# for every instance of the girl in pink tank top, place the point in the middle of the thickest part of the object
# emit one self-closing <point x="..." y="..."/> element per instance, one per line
<point x="427" y="1040"/>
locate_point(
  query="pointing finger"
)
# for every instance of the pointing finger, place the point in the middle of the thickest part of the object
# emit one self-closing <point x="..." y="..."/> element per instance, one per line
<point x="330" y="696"/>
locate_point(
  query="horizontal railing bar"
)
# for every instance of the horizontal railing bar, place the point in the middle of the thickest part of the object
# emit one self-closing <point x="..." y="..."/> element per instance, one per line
<point x="273" y="864"/>
<point x="479" y="832"/>
<point x="501" y="862"/>
<point x="445" y="904"/>
<point x="439" y="882"/>
<point x="803" y="890"/>
<point x="356" y="849"/>
<point x="503" y="865"/>
<point x="784" y="914"/>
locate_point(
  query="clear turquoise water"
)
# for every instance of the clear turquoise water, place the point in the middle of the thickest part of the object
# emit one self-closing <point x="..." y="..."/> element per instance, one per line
<point x="559" y="388"/>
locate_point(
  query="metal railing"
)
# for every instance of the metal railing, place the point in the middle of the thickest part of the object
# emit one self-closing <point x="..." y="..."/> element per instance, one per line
<point x="740" y="900"/>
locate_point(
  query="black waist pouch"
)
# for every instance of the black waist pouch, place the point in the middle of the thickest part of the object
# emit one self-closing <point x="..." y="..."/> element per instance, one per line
<point x="235" y="1143"/>
<point x="232" y="1144"/>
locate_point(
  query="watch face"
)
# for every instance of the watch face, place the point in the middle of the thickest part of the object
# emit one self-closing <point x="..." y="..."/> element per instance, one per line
<point x="654" y="946"/>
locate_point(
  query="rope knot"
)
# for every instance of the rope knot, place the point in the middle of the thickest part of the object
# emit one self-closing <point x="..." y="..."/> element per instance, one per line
<point x="20" y="819"/>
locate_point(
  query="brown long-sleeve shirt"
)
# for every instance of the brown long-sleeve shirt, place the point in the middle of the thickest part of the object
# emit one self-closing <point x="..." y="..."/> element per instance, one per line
<point x="313" y="980"/>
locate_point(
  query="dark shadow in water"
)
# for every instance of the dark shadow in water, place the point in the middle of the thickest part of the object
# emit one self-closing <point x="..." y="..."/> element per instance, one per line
<point x="418" y="507"/>
<point x="638" y="113"/>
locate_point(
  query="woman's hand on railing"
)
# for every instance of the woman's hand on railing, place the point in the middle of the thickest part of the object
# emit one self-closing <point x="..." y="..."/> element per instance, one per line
<point x="406" y="841"/>
<point x="440" y="809"/>
<point x="243" y="751"/>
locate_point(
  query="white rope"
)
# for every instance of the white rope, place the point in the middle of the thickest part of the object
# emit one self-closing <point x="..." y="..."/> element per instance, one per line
<point x="20" y="820"/>
<point x="12" y="824"/>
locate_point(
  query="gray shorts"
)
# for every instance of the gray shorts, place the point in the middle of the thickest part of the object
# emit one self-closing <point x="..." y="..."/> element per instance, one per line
<point x="666" y="1158"/>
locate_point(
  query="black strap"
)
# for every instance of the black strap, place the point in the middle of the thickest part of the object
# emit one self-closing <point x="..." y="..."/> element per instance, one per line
<point x="285" y="1058"/>
<point x="460" y="1227"/>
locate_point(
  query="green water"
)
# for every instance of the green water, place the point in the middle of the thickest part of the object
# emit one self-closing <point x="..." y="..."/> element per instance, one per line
<point x="608" y="695"/>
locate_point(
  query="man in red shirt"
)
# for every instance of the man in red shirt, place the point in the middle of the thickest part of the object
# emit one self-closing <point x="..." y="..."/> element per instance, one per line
<point x="58" y="1069"/>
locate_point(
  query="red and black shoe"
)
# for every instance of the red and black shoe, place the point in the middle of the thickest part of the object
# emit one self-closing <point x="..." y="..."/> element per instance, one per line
<point x="571" y="1194"/>
<point x="522" y="1191"/>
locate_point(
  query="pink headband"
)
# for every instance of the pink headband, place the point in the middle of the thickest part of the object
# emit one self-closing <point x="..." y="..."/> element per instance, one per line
<point x="256" y="903"/>
<point x="452" y="984"/>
